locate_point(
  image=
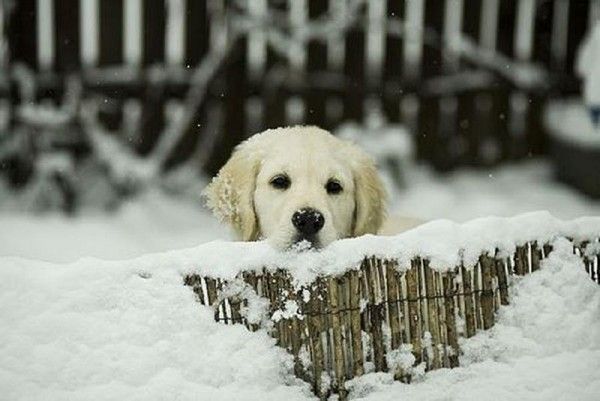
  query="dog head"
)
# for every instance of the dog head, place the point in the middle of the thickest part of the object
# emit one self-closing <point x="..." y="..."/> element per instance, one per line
<point x="298" y="185"/>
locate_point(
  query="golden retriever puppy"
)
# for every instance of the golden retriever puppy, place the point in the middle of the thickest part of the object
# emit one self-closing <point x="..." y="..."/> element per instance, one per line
<point x="298" y="187"/>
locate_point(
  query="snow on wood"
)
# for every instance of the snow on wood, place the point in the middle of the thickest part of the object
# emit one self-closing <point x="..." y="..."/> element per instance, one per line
<point x="257" y="43"/>
<point x="89" y="21"/>
<point x="523" y="40"/>
<point x="105" y="330"/>
<point x="488" y="27"/>
<point x="45" y="33"/>
<point x="463" y="288"/>
<point x="376" y="36"/>
<point x="453" y="12"/>
<point x="444" y="243"/>
<point x="413" y="43"/>
<point x="132" y="32"/>
<point x="317" y="316"/>
<point x="175" y="32"/>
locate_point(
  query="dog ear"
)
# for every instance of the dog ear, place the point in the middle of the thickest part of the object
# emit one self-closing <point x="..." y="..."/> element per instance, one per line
<point x="370" y="195"/>
<point x="230" y="194"/>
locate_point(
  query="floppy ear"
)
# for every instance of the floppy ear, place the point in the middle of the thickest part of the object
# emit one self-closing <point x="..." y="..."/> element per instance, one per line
<point x="230" y="194"/>
<point x="370" y="196"/>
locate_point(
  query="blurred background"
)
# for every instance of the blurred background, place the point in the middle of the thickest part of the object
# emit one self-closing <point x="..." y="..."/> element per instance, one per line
<point x="114" y="114"/>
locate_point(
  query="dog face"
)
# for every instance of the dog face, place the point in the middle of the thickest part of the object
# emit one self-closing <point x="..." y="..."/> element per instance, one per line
<point x="298" y="185"/>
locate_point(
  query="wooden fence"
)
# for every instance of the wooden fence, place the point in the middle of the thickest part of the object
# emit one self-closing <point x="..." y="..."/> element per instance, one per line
<point x="381" y="317"/>
<point x="180" y="80"/>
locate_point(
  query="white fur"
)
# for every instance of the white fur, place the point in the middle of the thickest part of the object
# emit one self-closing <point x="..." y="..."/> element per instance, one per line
<point x="241" y="194"/>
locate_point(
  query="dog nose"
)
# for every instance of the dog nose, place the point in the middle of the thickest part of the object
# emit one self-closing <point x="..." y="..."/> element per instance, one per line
<point x="308" y="221"/>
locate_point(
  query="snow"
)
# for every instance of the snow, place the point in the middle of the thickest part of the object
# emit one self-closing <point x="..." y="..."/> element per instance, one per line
<point x="101" y="330"/>
<point x="588" y="65"/>
<point x="94" y="331"/>
<point x="569" y="120"/>
<point x="156" y="223"/>
<point x="544" y="346"/>
<point x="83" y="328"/>
<point x="151" y="223"/>
<point x="445" y="243"/>
<point x="500" y="191"/>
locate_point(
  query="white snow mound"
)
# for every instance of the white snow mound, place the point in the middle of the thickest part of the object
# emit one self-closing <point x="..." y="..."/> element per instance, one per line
<point x="98" y="330"/>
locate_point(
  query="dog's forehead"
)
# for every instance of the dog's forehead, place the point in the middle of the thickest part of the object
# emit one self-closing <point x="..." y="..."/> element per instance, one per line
<point x="298" y="155"/>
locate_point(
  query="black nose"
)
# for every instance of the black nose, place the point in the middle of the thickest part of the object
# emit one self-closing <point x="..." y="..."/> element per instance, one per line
<point x="308" y="221"/>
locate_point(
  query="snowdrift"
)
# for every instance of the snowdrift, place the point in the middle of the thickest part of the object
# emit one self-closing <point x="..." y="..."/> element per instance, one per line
<point x="401" y="311"/>
<point x="129" y="329"/>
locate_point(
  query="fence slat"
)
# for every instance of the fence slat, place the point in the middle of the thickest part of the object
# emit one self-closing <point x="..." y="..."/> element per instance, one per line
<point x="432" y="308"/>
<point x="337" y="334"/>
<point x="413" y="311"/>
<point x="450" y="319"/>
<point x="487" y="291"/>
<point x="357" y="351"/>
<point x="393" y="299"/>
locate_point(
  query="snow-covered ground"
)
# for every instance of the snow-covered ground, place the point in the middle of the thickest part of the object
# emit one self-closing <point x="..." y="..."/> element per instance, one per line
<point x="98" y="330"/>
<point x="504" y="191"/>
<point x="544" y="346"/>
<point x="155" y="222"/>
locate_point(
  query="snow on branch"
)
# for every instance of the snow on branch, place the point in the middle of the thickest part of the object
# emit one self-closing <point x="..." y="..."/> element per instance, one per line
<point x="125" y="167"/>
<point x="180" y="118"/>
<point x="324" y="28"/>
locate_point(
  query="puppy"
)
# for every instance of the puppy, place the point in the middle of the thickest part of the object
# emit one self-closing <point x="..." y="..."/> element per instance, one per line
<point x="298" y="187"/>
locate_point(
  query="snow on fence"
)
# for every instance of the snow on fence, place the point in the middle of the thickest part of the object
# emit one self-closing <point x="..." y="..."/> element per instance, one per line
<point x="176" y="80"/>
<point x="391" y="313"/>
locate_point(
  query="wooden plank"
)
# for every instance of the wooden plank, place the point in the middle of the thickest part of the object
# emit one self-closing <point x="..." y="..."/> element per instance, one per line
<point x="393" y="300"/>
<point x="346" y="322"/>
<point x="67" y="35"/>
<point x="111" y="32"/>
<point x="470" y="322"/>
<point x="440" y="289"/>
<point x="357" y="351"/>
<point x="336" y="328"/>
<point x="45" y="29"/>
<point x="536" y="256"/>
<point x="432" y="308"/>
<point x="89" y="28"/>
<point x="314" y="332"/>
<point x="450" y="318"/>
<point x="477" y="288"/>
<point x="224" y="316"/>
<point x="521" y="264"/>
<point x="423" y="304"/>
<point x="22" y="39"/>
<point x="197" y="30"/>
<point x="211" y="287"/>
<point x="154" y="17"/>
<point x="404" y="307"/>
<point x="376" y="314"/>
<point x="502" y="278"/>
<point x="487" y="293"/>
<point x="413" y="311"/>
<point x="354" y="70"/>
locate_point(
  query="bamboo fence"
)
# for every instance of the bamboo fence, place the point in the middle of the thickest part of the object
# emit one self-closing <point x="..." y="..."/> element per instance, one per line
<point x="338" y="328"/>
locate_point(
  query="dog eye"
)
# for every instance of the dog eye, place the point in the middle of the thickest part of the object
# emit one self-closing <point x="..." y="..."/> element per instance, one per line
<point x="333" y="187"/>
<point x="280" y="182"/>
